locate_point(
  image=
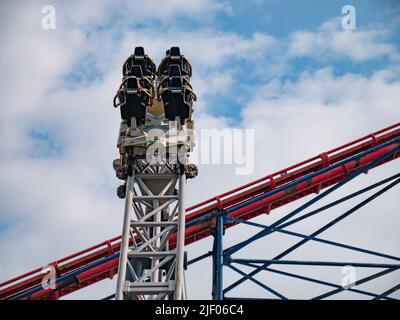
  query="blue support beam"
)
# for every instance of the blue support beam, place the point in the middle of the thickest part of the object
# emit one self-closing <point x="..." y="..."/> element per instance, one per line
<point x="358" y="283"/>
<point x="265" y="232"/>
<point x="388" y="292"/>
<point x="316" y="263"/>
<point x="317" y="281"/>
<point x="328" y="242"/>
<point x="259" y="283"/>
<point x="218" y="255"/>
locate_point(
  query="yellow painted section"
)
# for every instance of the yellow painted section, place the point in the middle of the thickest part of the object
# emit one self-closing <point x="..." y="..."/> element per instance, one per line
<point x="156" y="108"/>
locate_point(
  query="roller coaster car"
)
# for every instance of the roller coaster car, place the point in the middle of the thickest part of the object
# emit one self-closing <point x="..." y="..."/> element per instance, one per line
<point x="175" y="89"/>
<point x="136" y="91"/>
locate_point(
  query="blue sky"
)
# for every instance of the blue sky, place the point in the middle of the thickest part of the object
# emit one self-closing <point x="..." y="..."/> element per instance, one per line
<point x="280" y="18"/>
<point x="283" y="68"/>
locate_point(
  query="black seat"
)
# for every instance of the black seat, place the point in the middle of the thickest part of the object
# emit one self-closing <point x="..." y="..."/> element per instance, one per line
<point x="133" y="102"/>
<point x="139" y="58"/>
<point x="132" y="106"/>
<point x="175" y="106"/>
<point x="134" y="94"/>
<point x="177" y="95"/>
<point x="174" y="70"/>
<point x="175" y="83"/>
<point x="131" y="84"/>
<point x="139" y="53"/>
<point x="136" y="71"/>
<point x="176" y="102"/>
<point x="175" y="53"/>
<point x="174" y="56"/>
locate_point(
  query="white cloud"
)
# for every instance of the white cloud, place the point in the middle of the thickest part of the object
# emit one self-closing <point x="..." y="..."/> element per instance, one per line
<point x="330" y="39"/>
<point x="319" y="104"/>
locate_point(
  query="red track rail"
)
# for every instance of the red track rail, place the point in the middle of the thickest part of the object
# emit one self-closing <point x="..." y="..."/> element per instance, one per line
<point x="225" y="201"/>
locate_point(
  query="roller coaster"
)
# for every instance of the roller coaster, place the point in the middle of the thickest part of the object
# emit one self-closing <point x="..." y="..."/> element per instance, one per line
<point x="149" y="258"/>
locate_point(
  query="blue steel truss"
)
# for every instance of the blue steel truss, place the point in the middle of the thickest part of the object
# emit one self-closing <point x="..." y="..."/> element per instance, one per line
<point x="224" y="257"/>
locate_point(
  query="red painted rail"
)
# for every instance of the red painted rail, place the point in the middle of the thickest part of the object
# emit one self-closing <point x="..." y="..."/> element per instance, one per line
<point x="225" y="201"/>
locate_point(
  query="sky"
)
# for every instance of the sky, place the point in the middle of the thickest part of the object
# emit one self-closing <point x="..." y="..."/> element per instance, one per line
<point x="286" y="69"/>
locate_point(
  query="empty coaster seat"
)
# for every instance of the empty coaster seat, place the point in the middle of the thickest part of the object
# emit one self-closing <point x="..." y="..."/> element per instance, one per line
<point x="132" y="100"/>
<point x="136" y="71"/>
<point x="174" y="71"/>
<point x="175" y="84"/>
<point x="139" y="58"/>
<point x="176" y="91"/>
<point x="136" y="91"/>
<point x="138" y="53"/>
<point x="135" y="102"/>
<point x="176" y="106"/>
<point x="173" y="56"/>
<point x="176" y="101"/>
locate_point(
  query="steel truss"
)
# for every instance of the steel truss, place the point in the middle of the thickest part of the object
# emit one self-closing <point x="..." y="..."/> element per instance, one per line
<point x="224" y="257"/>
<point x="149" y="268"/>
